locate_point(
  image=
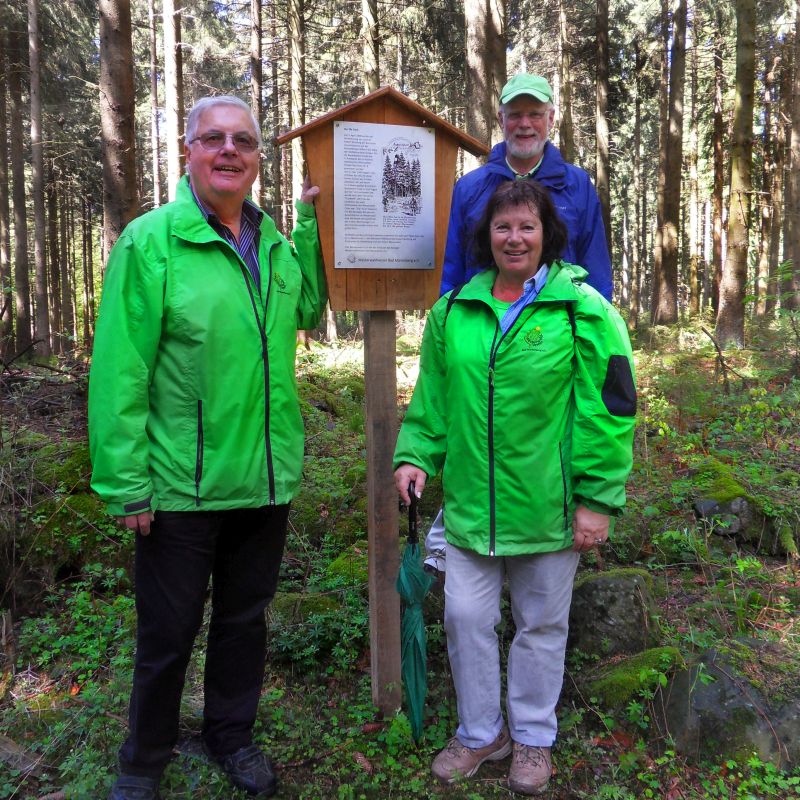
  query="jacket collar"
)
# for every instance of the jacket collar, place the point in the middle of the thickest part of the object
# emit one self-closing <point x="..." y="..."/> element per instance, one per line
<point x="552" y="170"/>
<point x="560" y="286"/>
<point x="191" y="225"/>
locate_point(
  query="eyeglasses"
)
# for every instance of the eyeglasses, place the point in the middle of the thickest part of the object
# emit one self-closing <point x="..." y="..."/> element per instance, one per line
<point x="215" y="140"/>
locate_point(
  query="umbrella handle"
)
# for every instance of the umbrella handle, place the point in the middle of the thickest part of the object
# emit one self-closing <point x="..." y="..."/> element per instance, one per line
<point x="413" y="537"/>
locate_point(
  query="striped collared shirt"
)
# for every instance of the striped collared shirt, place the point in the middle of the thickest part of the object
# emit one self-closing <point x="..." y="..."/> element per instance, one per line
<point x="249" y="233"/>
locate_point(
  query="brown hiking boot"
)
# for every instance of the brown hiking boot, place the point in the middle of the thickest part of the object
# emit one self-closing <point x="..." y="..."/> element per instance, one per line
<point x="530" y="769"/>
<point x="458" y="761"/>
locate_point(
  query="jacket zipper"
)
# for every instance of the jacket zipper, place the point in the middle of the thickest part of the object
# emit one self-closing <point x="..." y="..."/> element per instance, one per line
<point x="198" y="464"/>
<point x="492" y="359"/>
<point x="265" y="358"/>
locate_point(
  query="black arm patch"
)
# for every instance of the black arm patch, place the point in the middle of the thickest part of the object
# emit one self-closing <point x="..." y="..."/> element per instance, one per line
<point x="619" y="393"/>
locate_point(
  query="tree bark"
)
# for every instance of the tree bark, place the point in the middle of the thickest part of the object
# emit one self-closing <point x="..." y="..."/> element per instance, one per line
<point x="6" y="295"/>
<point x="661" y="176"/>
<point x="566" y="132"/>
<point x="297" y="88"/>
<point x="42" y="321"/>
<point x="257" y="88"/>
<point x="693" y="278"/>
<point x="173" y="95"/>
<point x="117" y="110"/>
<point x="21" y="284"/>
<point x="665" y="281"/>
<point x="638" y="222"/>
<point x="67" y="279"/>
<point x="485" y="68"/>
<point x="277" y="193"/>
<point x="766" y="209"/>
<point x="602" y="160"/>
<point x="730" y="318"/>
<point x="370" y="45"/>
<point x="718" y="134"/>
<point x="154" y="121"/>
<point x="790" y="287"/>
<point x="56" y="325"/>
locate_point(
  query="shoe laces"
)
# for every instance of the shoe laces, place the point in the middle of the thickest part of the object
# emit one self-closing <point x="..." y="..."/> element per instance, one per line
<point x="530" y="755"/>
<point x="454" y="747"/>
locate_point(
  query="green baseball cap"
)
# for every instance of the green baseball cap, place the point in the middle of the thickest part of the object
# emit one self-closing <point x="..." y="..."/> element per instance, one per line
<point x="534" y="85"/>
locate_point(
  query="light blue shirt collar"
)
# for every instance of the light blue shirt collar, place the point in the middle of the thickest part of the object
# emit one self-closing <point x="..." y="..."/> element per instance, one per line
<point x="530" y="291"/>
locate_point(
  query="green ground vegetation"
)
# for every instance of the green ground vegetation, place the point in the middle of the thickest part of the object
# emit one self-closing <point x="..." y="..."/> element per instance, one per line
<point x="68" y="619"/>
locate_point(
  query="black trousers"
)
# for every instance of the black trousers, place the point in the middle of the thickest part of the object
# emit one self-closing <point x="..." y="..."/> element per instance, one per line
<point x="240" y="551"/>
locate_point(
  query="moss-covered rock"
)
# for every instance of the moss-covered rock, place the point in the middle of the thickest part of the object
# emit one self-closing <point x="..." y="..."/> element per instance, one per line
<point x="613" y="613"/>
<point x="619" y="683"/>
<point x="297" y="607"/>
<point x="64" y="465"/>
<point x="351" y="565"/>
<point x="734" y="701"/>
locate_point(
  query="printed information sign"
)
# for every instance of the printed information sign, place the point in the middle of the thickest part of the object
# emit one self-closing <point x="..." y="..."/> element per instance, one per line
<point x="384" y="178"/>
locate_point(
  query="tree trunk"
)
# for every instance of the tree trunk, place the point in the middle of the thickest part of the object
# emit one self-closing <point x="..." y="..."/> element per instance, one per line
<point x="56" y="326"/>
<point x="790" y="288"/>
<point x="766" y="209"/>
<point x="603" y="177"/>
<point x="370" y="45"/>
<point x="277" y="193"/>
<point x="665" y="283"/>
<point x="730" y="318"/>
<point x="42" y="321"/>
<point x="566" y="132"/>
<point x="173" y="95"/>
<point x="718" y="134"/>
<point x="21" y="285"/>
<point x="485" y="69"/>
<point x="663" y="150"/>
<point x="6" y="295"/>
<point x="693" y="278"/>
<point x="154" y="121"/>
<point x="67" y="279"/>
<point x="257" y="88"/>
<point x="297" y="88"/>
<point x="117" y="109"/>
<point x="638" y="222"/>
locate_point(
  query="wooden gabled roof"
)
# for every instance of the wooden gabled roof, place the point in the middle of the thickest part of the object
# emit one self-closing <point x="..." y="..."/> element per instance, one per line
<point x="469" y="143"/>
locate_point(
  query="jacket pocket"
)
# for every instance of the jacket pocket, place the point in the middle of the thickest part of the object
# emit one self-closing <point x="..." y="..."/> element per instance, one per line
<point x="564" y="486"/>
<point x="198" y="464"/>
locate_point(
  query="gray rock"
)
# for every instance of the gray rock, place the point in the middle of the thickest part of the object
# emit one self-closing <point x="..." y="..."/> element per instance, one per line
<point x="730" y="518"/>
<point x="718" y="707"/>
<point x="612" y="613"/>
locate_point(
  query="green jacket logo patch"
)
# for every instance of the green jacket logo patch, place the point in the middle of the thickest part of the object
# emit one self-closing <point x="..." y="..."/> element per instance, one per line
<point x="280" y="282"/>
<point x="535" y="337"/>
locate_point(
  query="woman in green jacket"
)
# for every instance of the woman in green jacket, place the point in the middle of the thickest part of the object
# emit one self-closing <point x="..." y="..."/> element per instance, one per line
<point x="526" y="403"/>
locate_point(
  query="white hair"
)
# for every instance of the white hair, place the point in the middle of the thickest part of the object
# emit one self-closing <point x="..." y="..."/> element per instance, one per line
<point x="205" y="103"/>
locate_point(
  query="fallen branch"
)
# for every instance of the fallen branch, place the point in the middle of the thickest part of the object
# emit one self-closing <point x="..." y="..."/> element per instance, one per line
<point x="724" y="366"/>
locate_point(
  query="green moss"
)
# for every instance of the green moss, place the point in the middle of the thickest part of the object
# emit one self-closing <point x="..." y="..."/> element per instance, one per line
<point x="296" y="607"/>
<point x="769" y="667"/>
<point x="786" y="540"/>
<point x="351" y="565"/>
<point x="621" y="572"/>
<point x="623" y="681"/>
<point x="718" y="482"/>
<point x="65" y="465"/>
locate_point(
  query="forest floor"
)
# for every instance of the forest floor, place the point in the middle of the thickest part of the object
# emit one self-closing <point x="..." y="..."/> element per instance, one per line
<point x="68" y="620"/>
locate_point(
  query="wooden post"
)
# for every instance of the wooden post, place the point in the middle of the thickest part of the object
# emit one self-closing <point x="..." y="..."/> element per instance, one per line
<point x="380" y="379"/>
<point x="381" y="292"/>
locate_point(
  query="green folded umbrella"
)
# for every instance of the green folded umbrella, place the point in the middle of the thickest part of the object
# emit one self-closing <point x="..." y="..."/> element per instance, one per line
<point x="413" y="584"/>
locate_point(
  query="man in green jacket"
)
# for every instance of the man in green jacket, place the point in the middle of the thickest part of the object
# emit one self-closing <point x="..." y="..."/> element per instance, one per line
<point x="196" y="436"/>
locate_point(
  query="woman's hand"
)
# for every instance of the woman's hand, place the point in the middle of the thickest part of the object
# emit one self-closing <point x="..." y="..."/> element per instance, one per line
<point x="308" y="194"/>
<point x="589" y="528"/>
<point x="405" y="474"/>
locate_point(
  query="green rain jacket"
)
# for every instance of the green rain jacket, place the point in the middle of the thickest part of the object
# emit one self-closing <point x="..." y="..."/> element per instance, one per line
<point x="527" y="424"/>
<point x="192" y="397"/>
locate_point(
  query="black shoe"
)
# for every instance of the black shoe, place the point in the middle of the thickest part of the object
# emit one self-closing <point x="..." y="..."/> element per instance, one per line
<point x="249" y="769"/>
<point x="135" y="787"/>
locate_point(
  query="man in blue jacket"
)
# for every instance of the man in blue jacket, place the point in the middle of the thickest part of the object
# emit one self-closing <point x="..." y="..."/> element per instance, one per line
<point x="526" y="117"/>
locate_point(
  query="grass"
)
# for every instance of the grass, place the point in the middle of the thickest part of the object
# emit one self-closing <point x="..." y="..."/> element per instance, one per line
<point x="68" y="618"/>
